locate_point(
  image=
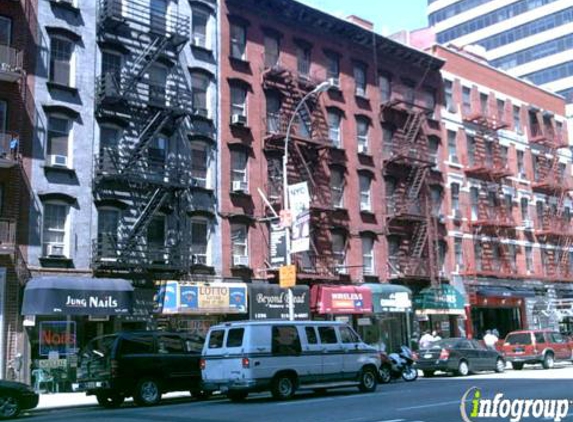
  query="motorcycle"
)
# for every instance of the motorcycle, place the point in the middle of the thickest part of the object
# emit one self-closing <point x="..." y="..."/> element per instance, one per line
<point x="398" y="365"/>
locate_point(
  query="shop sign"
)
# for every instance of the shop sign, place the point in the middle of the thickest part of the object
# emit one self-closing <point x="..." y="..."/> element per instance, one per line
<point x="218" y="298"/>
<point x="57" y="337"/>
<point x="271" y="302"/>
<point x="395" y="302"/>
<point x="342" y="300"/>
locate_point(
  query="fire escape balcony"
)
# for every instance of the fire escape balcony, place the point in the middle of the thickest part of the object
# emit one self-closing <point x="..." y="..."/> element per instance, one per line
<point x="404" y="267"/>
<point x="9" y="149"/>
<point x="11" y="64"/>
<point x="311" y="266"/>
<point x="495" y="218"/>
<point x="551" y="183"/>
<point x="111" y="254"/>
<point x="404" y="210"/>
<point x="400" y="151"/>
<point x="554" y="227"/>
<point x="500" y="268"/>
<point x="485" y="120"/>
<point x="487" y="170"/>
<point x="546" y="137"/>
<point x="276" y="130"/>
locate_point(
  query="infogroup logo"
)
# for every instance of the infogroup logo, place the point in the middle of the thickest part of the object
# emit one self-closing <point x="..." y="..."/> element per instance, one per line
<point x="474" y="406"/>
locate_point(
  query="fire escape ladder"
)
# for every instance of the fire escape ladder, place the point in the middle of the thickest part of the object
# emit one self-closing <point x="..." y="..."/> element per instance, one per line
<point x="420" y="238"/>
<point x="411" y="130"/>
<point x="149" y="132"/>
<point x="153" y="205"/>
<point x="418" y="175"/>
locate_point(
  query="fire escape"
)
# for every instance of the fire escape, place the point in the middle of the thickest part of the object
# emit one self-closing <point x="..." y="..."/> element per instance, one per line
<point x="308" y="162"/>
<point x="491" y="208"/>
<point x="553" y="225"/>
<point x="150" y="98"/>
<point x="412" y="220"/>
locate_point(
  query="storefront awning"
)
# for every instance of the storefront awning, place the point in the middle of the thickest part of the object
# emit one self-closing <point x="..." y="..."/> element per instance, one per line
<point x="390" y="297"/>
<point x="269" y="301"/>
<point x="179" y="297"/>
<point x="341" y="300"/>
<point x="505" y="291"/>
<point x="77" y="296"/>
<point x="445" y="300"/>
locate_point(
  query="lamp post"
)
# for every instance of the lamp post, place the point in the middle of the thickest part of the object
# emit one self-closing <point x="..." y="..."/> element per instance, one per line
<point x="320" y="88"/>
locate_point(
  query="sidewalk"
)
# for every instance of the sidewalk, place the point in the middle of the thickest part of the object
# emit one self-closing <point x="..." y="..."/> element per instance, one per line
<point x="63" y="400"/>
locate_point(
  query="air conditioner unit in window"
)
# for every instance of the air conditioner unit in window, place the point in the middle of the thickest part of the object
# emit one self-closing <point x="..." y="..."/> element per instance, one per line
<point x="55" y="249"/>
<point x="239" y="186"/>
<point x="58" y="160"/>
<point x="362" y="148"/>
<point x="239" y="119"/>
<point x="240" y="261"/>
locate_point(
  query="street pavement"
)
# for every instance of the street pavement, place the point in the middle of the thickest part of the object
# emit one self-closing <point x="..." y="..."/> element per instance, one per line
<point x="426" y="400"/>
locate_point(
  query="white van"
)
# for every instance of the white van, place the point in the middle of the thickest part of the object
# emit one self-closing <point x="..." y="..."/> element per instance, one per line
<point x="283" y="356"/>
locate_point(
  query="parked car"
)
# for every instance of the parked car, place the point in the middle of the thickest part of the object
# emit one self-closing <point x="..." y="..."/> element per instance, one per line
<point x="283" y="356"/>
<point x="15" y="397"/>
<point x="460" y="356"/>
<point x="142" y="365"/>
<point x="536" y="346"/>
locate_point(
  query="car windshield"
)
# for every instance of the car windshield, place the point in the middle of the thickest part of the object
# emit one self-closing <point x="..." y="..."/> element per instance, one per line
<point x="448" y="343"/>
<point x="518" y="338"/>
<point x="99" y="347"/>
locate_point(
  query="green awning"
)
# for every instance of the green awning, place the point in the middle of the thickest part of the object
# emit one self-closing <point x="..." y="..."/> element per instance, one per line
<point x="444" y="299"/>
<point x="390" y="297"/>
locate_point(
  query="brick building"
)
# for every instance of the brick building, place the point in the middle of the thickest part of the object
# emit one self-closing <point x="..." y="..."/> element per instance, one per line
<point x="507" y="206"/>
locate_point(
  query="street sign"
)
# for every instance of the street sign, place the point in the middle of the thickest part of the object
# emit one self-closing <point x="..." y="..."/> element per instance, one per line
<point x="287" y="276"/>
<point x="278" y="245"/>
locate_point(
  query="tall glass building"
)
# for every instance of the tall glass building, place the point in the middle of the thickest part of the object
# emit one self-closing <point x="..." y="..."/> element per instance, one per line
<point x="531" y="39"/>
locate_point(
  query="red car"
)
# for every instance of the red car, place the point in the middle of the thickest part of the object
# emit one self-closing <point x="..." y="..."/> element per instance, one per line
<point x="536" y="346"/>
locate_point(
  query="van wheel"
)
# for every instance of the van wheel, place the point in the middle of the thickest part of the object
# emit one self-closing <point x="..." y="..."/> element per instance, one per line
<point x="548" y="361"/>
<point x="237" y="396"/>
<point x="368" y="380"/>
<point x="110" y="400"/>
<point x="518" y="366"/>
<point x="283" y="387"/>
<point x="147" y="392"/>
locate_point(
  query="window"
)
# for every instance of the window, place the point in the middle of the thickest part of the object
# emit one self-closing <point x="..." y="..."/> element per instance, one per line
<point x="360" y="80"/>
<point x="327" y="335"/>
<point x="157" y="76"/>
<point x="474" y="202"/>
<point x="5" y="31"/>
<point x="273" y="103"/>
<point x="170" y="344"/>
<point x="61" y="51"/>
<point x="200" y="164"/>
<point x="529" y="259"/>
<point x="483" y="104"/>
<point x="365" y="182"/>
<point x="199" y="24"/>
<point x="199" y="90"/>
<point x="156" y="236"/>
<point x="235" y="337"/>
<point x="239" y="160"/>
<point x="466" y="100"/>
<point x="337" y="187"/>
<point x="524" y="202"/>
<point x="362" y="125"/>
<point x="387" y="141"/>
<point x="334" y="119"/>
<point x="347" y="335"/>
<point x="157" y="154"/>
<point x="409" y="93"/>
<point x="540" y="210"/>
<point x="521" y="164"/>
<point x="500" y="111"/>
<point x="516" y="119"/>
<point x="55" y="229"/>
<point x="458" y="251"/>
<point x="108" y="232"/>
<point x="385" y="88"/>
<point x="339" y="251"/>
<point x="238" y="41"/>
<point x="478" y="255"/>
<point x="271" y="51"/>
<point x="455" y="196"/>
<point x="139" y="345"/>
<point x="449" y="96"/>
<point x="58" y="141"/>
<point x="109" y="137"/>
<point x="111" y="62"/>
<point x="286" y="341"/>
<point x="216" y="339"/>
<point x="311" y="336"/>
<point x="2" y="190"/>
<point x="332" y="66"/>
<point x="303" y="60"/>
<point x="239" y="241"/>
<point x="199" y="240"/>
<point x="429" y="98"/>
<point x="452" y="147"/>
<point x="471" y="141"/>
<point x="238" y="101"/>
<point x="368" y="255"/>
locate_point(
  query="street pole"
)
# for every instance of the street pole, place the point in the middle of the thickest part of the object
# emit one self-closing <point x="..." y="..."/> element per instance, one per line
<point x="322" y="87"/>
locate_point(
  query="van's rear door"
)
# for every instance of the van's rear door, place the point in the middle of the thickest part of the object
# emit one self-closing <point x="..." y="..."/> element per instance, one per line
<point x="213" y="355"/>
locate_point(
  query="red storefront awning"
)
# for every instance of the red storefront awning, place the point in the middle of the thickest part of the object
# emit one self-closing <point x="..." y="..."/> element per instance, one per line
<point x="341" y="299"/>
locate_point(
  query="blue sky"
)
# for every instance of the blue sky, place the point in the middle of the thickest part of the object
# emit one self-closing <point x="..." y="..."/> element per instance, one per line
<point x="389" y="16"/>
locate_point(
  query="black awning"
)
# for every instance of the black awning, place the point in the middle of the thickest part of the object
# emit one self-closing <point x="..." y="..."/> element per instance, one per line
<point x="505" y="291"/>
<point x="77" y="296"/>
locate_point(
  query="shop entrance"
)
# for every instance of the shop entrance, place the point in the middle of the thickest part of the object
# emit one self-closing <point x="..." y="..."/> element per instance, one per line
<point x="387" y="332"/>
<point x="504" y="320"/>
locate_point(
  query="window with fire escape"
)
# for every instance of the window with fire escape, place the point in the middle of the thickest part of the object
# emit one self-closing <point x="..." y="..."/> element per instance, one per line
<point x="273" y="106"/>
<point x="483" y="104"/>
<point x="471" y="147"/>
<point x="408" y="92"/>
<point x="540" y="210"/>
<point x="239" y="173"/>
<point x="385" y="87"/>
<point x="55" y="239"/>
<point x="489" y="153"/>
<point x="434" y="149"/>
<point x="61" y="61"/>
<point x="436" y="198"/>
<point x="238" y="41"/>
<point x="199" y="241"/>
<point x="478" y="254"/>
<point x="525" y="217"/>
<point x="333" y="67"/>
<point x="521" y="165"/>
<point x="111" y="63"/>
<point x="271" y="43"/>
<point x="517" y="119"/>
<point x="362" y="129"/>
<point x="339" y="252"/>
<point x="108" y="232"/>
<point x="5" y="31"/>
<point x="337" y="183"/>
<point x="303" y="54"/>
<point x="529" y="259"/>
<point x="199" y="25"/>
<point x="334" y="132"/>
<point x="466" y="100"/>
<point x="512" y="250"/>
<point x="394" y="255"/>
<point x="458" y="252"/>
<point x="452" y="147"/>
<point x="200" y="93"/>
<point x="455" y="199"/>
<point x="495" y="256"/>
<point x="545" y="261"/>
<point x="360" y="83"/>
<point x="367" y="255"/>
<point x="429" y="99"/>
<point x="158" y="16"/>
<point x="239" y="245"/>
<point x="387" y="141"/>
<point x="200" y="152"/>
<point x="535" y="165"/>
<point x="474" y="202"/>
<point x="500" y="111"/>
<point x="109" y="138"/>
<point x="157" y="79"/>
<point x="449" y="96"/>
<point x="157" y="251"/>
<point x="365" y="182"/>
<point x="157" y="156"/>
<point x="275" y="178"/>
<point x="58" y="141"/>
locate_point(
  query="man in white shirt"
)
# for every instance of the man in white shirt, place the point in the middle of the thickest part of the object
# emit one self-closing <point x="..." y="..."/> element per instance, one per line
<point x="490" y="339"/>
<point x="426" y="340"/>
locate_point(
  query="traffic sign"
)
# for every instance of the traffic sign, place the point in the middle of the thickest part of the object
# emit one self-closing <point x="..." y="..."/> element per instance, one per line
<point x="287" y="276"/>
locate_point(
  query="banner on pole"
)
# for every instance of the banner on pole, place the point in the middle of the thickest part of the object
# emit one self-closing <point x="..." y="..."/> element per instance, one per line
<point x="299" y="201"/>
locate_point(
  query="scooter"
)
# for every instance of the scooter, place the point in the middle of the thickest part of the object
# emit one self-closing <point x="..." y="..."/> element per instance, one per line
<point x="398" y="365"/>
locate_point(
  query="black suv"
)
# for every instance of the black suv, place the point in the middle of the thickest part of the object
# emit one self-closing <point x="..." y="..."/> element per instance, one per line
<point x="142" y="365"/>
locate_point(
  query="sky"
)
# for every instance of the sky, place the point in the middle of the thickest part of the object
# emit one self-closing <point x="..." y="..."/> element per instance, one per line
<point x="388" y="16"/>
